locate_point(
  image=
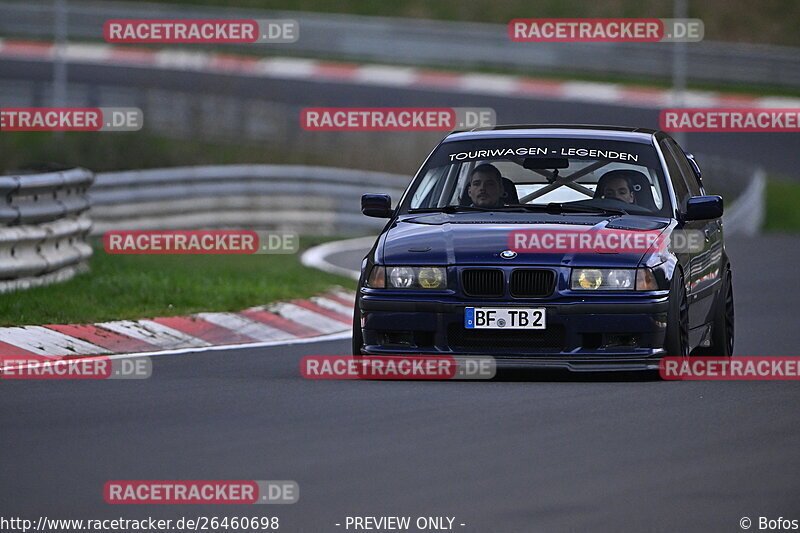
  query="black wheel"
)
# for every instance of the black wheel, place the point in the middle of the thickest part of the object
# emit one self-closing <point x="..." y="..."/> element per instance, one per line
<point x="722" y="325"/>
<point x="677" y="337"/>
<point x="358" y="340"/>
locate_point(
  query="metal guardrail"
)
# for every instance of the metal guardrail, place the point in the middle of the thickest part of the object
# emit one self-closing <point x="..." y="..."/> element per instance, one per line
<point x="307" y="199"/>
<point x="43" y="228"/>
<point x="744" y="188"/>
<point x="436" y="43"/>
<point x="745" y="216"/>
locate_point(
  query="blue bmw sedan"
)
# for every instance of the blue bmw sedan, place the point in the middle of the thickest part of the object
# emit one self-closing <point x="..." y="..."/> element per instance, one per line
<point x="582" y="247"/>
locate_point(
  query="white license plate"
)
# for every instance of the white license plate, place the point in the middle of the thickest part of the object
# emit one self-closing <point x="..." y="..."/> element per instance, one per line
<point x="504" y="318"/>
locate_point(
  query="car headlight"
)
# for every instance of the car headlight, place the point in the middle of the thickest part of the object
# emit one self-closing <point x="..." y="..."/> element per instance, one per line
<point x="612" y="279"/>
<point x="431" y="278"/>
<point x="407" y="277"/>
<point x="401" y="277"/>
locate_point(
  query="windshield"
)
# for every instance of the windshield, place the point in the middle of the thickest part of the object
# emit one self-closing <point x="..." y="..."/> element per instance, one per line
<point x="533" y="174"/>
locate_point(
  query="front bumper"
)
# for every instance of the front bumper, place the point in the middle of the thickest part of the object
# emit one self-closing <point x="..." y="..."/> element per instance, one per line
<point x="583" y="334"/>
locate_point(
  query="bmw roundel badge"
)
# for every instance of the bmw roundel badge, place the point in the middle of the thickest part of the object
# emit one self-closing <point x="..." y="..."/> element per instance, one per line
<point x="508" y="254"/>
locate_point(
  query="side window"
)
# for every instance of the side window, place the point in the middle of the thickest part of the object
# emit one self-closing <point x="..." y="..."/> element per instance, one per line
<point x="423" y="195"/>
<point x="461" y="172"/>
<point x="675" y="176"/>
<point x="686" y="168"/>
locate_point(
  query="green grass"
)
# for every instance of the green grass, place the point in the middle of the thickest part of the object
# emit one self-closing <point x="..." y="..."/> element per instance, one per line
<point x="782" y="212"/>
<point x="141" y="286"/>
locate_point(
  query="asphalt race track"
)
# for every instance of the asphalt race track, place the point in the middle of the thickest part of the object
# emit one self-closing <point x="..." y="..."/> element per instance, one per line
<point x="509" y="455"/>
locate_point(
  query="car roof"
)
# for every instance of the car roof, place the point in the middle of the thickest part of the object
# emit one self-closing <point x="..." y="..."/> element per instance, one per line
<point x="569" y="131"/>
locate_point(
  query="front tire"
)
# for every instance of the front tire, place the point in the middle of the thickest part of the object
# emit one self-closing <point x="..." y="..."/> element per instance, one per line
<point x="722" y="325"/>
<point x="358" y="339"/>
<point x="677" y="335"/>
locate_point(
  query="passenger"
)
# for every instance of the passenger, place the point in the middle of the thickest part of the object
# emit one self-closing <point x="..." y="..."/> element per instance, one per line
<point x="619" y="188"/>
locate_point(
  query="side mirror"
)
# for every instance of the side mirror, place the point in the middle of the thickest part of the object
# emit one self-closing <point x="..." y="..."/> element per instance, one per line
<point x="703" y="207"/>
<point x="376" y="205"/>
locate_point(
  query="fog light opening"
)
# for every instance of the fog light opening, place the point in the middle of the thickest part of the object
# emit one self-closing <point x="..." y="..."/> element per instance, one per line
<point x="621" y="340"/>
<point x="398" y="338"/>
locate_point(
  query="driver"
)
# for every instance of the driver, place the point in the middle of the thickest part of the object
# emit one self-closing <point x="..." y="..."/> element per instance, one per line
<point x="620" y="188"/>
<point x="486" y="186"/>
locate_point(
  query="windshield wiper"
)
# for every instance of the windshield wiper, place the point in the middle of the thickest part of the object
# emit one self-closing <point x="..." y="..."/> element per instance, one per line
<point x="465" y="208"/>
<point x="575" y="208"/>
<point x="452" y="209"/>
<point x="527" y="207"/>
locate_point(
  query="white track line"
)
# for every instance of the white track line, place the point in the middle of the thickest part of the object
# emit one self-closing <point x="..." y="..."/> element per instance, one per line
<point x="316" y="257"/>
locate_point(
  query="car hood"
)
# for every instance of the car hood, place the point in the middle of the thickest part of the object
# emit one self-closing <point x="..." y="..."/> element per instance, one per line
<point x="467" y="238"/>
